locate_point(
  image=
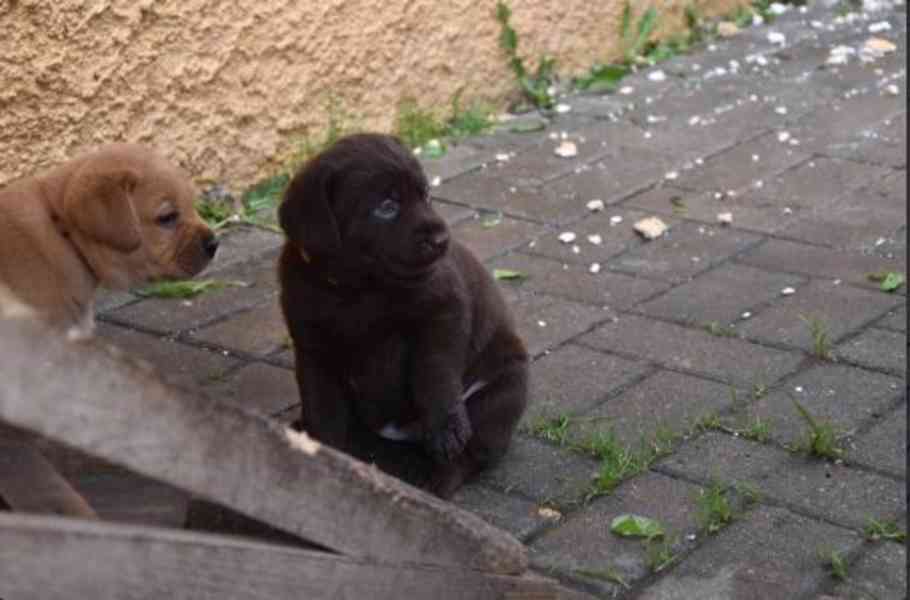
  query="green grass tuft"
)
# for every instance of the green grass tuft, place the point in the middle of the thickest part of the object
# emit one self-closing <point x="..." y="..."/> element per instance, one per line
<point x="714" y="510"/>
<point x="821" y="438"/>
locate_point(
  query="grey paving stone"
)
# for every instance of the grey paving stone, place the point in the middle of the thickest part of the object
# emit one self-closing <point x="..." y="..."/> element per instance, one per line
<point x="741" y="167"/>
<point x="883" y="144"/>
<point x="598" y="106"/>
<point x="721" y="295"/>
<point x="625" y="171"/>
<point x="260" y="330"/>
<point x="843" y="494"/>
<point x="812" y="187"/>
<point x="616" y="238"/>
<point x="793" y="257"/>
<point x="486" y="190"/>
<point x="108" y="300"/>
<point x="584" y="547"/>
<point x="540" y="163"/>
<point x="240" y="243"/>
<point x="683" y="251"/>
<point x="487" y="241"/>
<point x="877" y="348"/>
<point x="576" y="282"/>
<point x="845" y="397"/>
<point x="693" y="350"/>
<point x="545" y="322"/>
<point x="860" y="221"/>
<point x="458" y="159"/>
<point x="177" y="363"/>
<point x="895" y="319"/>
<point x="518" y="516"/>
<point x="881" y="574"/>
<point x="572" y="379"/>
<point x="452" y="213"/>
<point x="829" y="128"/>
<point x="172" y="315"/>
<point x="258" y="387"/>
<point x="838" y="309"/>
<point x="542" y="472"/>
<point x="884" y="446"/>
<point x="664" y="403"/>
<point x="770" y="553"/>
<point x="749" y="211"/>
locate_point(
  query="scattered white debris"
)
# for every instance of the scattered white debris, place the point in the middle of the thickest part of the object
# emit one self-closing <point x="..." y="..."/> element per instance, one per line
<point x="436" y="181"/>
<point x="788" y="210"/>
<point x="657" y="75"/>
<point x="875" y="48"/>
<point x="836" y="282"/>
<point x="650" y="228"/>
<point x="549" y="513"/>
<point x="816" y="25"/>
<point x="694" y="120"/>
<point x="567" y="237"/>
<point x="502" y="157"/>
<point x="712" y="47"/>
<point x="541" y="323"/>
<point x="566" y="150"/>
<point x="615" y="220"/>
<point x="839" y="55"/>
<point x="725" y="218"/>
<point x="563" y="108"/>
<point x="879" y="27"/>
<point x="777" y="8"/>
<point x="691" y="537"/>
<point x="892" y="89"/>
<point x="798" y="389"/>
<point x="647" y="135"/>
<point x="626" y="90"/>
<point x="595" y="239"/>
<point x="781" y="110"/>
<point x="755" y="157"/>
<point x="787" y="291"/>
<point x="576" y="249"/>
<point x="727" y="29"/>
<point x="783" y="136"/>
<point x="757" y="20"/>
<point x="594" y="268"/>
<point x="671" y="175"/>
<point x="595" y="205"/>
<point x="656" y="118"/>
<point x="776" y="37"/>
<point x="745" y="315"/>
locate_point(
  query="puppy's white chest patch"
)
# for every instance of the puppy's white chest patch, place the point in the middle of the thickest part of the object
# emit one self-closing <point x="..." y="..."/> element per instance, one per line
<point x="410" y="432"/>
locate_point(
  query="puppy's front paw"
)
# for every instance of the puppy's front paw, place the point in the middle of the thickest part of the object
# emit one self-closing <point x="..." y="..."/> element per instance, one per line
<point x="450" y="440"/>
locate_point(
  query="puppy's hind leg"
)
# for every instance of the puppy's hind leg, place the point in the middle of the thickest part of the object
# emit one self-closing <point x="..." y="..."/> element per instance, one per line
<point x="494" y="412"/>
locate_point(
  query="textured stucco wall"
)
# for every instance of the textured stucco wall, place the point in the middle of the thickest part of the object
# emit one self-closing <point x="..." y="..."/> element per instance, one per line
<point x="224" y="87"/>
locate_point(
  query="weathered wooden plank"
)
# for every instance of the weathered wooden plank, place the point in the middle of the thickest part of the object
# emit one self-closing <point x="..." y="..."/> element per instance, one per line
<point x="51" y="558"/>
<point x="85" y="396"/>
<point x="29" y="483"/>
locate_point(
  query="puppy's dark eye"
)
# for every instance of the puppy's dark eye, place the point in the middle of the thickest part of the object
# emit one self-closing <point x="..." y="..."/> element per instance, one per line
<point x="387" y="210"/>
<point x="168" y="219"/>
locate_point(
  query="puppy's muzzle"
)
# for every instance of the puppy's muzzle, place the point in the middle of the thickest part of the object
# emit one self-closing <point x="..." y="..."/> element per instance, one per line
<point x="432" y="243"/>
<point x="210" y="245"/>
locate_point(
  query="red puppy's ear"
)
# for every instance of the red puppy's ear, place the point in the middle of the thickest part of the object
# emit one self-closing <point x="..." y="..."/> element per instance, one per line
<point x="305" y="215"/>
<point x="97" y="203"/>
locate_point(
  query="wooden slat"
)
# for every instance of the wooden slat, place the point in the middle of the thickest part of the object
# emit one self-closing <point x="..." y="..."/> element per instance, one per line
<point x="29" y="483"/>
<point x="85" y="396"/>
<point x="51" y="558"/>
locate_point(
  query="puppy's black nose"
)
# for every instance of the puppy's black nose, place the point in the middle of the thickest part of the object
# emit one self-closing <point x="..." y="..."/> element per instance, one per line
<point x="210" y="245"/>
<point x="435" y="242"/>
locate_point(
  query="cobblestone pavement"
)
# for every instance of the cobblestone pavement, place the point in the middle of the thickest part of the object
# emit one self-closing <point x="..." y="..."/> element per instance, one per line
<point x="664" y="383"/>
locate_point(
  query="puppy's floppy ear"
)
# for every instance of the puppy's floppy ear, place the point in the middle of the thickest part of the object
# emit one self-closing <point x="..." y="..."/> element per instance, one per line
<point x="305" y="215"/>
<point x="97" y="203"/>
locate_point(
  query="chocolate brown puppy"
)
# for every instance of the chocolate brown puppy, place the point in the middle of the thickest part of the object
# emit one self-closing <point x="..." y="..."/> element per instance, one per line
<point x="394" y="323"/>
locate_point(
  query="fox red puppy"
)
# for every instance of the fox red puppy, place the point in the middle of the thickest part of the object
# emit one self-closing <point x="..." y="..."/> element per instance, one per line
<point x="117" y="217"/>
<point x="393" y="322"/>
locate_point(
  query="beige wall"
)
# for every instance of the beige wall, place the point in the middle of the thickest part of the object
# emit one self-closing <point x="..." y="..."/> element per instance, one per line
<point x="225" y="87"/>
